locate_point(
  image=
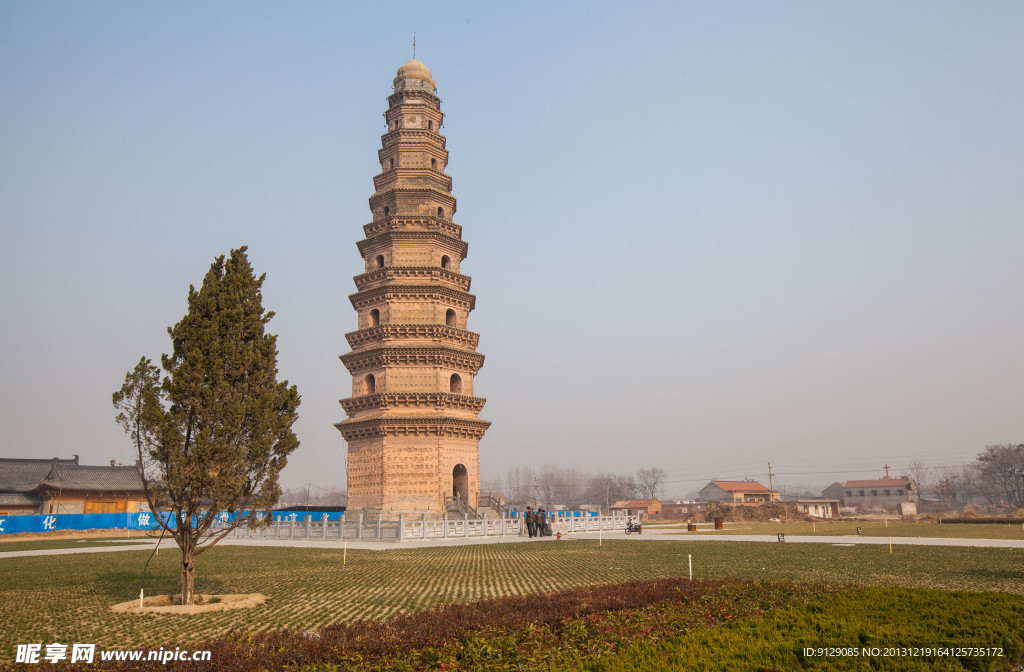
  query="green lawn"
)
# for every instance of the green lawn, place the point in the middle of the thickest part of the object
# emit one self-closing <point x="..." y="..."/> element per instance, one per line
<point x="311" y="587"/>
<point x="895" y="528"/>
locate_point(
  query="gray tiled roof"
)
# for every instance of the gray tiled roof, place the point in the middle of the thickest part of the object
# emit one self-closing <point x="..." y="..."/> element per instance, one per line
<point x="80" y="477"/>
<point x="18" y="499"/>
<point x="24" y="475"/>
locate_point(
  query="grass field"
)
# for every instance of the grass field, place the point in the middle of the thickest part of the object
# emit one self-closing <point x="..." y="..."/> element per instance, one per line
<point x="868" y="529"/>
<point x="67" y="598"/>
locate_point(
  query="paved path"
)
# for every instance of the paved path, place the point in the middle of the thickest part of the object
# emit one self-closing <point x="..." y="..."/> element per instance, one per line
<point x="650" y="534"/>
<point x="851" y="540"/>
<point x="146" y="545"/>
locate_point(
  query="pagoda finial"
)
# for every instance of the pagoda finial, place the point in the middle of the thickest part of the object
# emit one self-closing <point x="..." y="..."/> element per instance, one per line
<point x="414" y="45"/>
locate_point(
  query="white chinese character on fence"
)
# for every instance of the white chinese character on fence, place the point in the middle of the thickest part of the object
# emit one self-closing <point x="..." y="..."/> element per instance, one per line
<point x="28" y="653"/>
<point x="50" y="522"/>
<point x="82" y="653"/>
<point x="143" y="519"/>
<point x="56" y="651"/>
<point x="2" y="524"/>
<point x="224" y="516"/>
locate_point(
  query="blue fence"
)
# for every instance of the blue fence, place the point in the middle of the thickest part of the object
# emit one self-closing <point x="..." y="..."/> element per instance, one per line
<point x="78" y="521"/>
<point x="147" y="520"/>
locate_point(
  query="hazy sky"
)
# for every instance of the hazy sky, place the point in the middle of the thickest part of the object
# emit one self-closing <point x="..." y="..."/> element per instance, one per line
<point x="702" y="236"/>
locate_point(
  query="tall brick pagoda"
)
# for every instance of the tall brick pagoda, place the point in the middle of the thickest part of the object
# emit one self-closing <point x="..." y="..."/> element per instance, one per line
<point x="413" y="426"/>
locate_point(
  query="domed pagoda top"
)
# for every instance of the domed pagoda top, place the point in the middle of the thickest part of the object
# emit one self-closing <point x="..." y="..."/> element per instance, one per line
<point x="414" y="75"/>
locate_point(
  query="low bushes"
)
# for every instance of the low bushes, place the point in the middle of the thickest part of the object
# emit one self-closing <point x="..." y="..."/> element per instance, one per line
<point x="875" y="628"/>
<point x="531" y="632"/>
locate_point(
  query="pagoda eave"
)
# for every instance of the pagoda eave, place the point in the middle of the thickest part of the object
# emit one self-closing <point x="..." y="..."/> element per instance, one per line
<point x="385" y="238"/>
<point x="413" y="223"/>
<point x="360" y="361"/>
<point x="412" y="426"/>
<point x="436" y="333"/>
<point x="371" y="297"/>
<point x="439" y="401"/>
<point x="392" y="273"/>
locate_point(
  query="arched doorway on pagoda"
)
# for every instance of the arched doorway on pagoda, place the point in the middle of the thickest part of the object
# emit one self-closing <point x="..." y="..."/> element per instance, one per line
<point x="460" y="482"/>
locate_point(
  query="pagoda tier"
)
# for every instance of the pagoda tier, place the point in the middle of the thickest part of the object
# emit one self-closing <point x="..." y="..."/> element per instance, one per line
<point x="413" y="426"/>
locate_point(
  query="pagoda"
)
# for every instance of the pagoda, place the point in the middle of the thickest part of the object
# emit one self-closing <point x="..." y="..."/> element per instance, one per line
<point x="413" y="427"/>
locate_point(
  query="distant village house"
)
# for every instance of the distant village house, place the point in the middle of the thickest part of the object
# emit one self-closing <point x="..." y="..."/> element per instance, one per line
<point x="737" y="492"/>
<point x="879" y="493"/>
<point x="636" y="508"/>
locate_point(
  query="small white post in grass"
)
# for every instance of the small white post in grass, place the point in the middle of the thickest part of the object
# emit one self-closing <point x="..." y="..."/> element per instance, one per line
<point x="691" y="566"/>
<point x="887" y="523"/>
<point x="344" y="555"/>
<point x="140" y="598"/>
<point x="890" y="545"/>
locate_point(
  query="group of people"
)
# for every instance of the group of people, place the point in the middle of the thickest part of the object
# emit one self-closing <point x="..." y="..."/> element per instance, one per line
<point x="537" y="524"/>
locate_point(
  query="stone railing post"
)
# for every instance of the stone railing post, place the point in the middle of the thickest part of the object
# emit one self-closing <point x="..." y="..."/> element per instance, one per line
<point x="309" y="526"/>
<point x="359" y="526"/>
<point x="484" y="523"/>
<point x="444" y="525"/>
<point x="465" y="524"/>
<point x="380" y="517"/>
<point x="401" y="526"/>
<point x="323" y="532"/>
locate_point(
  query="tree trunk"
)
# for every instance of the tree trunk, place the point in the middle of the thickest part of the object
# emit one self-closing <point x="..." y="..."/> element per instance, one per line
<point x="188" y="578"/>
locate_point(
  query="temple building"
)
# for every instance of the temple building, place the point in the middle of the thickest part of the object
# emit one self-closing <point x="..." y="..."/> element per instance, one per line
<point x="413" y="426"/>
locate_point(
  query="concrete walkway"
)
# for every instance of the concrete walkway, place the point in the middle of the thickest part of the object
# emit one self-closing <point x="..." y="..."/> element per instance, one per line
<point x="675" y="534"/>
<point x="650" y="534"/>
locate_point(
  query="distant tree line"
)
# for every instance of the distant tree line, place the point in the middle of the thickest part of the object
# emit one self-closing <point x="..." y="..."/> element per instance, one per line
<point x="555" y="485"/>
<point x="994" y="477"/>
<point x="312" y="494"/>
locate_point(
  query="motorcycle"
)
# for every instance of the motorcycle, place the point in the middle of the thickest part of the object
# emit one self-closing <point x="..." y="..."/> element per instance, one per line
<point x="634" y="527"/>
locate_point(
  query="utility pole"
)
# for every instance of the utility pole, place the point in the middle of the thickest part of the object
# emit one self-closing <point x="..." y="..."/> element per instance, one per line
<point x="771" y="486"/>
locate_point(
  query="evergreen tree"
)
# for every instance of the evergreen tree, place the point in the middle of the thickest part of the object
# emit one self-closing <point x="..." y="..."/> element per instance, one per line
<point x="214" y="433"/>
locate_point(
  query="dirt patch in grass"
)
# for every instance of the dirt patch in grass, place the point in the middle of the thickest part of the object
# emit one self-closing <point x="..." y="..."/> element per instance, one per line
<point x="116" y="533"/>
<point x="171" y="604"/>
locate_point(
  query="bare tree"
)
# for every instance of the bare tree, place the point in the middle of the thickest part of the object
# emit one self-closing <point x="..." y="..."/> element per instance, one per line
<point x="649" y="481"/>
<point x="920" y="474"/>
<point x="958" y="484"/>
<point x="999" y="470"/>
<point x="520" y="484"/>
<point x="491" y="486"/>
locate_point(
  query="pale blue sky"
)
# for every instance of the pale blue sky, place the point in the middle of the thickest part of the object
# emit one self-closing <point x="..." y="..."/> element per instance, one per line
<point x="702" y="236"/>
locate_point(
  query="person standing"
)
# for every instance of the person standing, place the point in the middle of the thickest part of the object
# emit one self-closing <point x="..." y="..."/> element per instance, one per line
<point x="531" y="522"/>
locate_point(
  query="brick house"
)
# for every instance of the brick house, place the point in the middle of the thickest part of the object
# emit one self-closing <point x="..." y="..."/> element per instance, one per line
<point x="638" y="508"/>
<point x="737" y="492"/>
<point x="879" y="493"/>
